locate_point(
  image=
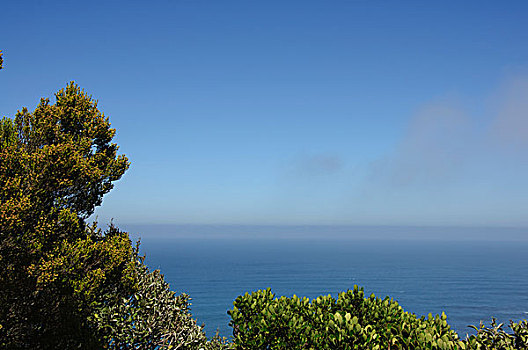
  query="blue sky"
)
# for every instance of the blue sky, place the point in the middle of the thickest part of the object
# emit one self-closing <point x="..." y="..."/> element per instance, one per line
<point x="292" y="112"/>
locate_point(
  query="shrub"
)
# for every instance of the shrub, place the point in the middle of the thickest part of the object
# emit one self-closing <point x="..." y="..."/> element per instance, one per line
<point x="495" y="337"/>
<point x="353" y="321"/>
<point x="153" y="317"/>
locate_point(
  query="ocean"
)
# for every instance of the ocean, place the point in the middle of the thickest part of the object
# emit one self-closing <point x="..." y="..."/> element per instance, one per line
<point x="471" y="279"/>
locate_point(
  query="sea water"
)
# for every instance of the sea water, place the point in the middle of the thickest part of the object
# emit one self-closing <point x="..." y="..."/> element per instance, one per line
<point x="470" y="280"/>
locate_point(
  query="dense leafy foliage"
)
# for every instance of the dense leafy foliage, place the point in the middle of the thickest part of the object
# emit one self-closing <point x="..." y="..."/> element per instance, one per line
<point x="64" y="283"/>
<point x="353" y="321"/>
<point x="56" y="163"/>
<point x="261" y="321"/>
<point x="152" y="318"/>
<point x="495" y="337"/>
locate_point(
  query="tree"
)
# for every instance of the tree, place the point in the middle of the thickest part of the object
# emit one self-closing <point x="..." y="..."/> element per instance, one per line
<point x="56" y="163"/>
<point x="64" y="283"/>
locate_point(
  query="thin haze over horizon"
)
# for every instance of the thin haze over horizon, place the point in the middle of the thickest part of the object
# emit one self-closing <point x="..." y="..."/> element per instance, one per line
<point x="292" y="113"/>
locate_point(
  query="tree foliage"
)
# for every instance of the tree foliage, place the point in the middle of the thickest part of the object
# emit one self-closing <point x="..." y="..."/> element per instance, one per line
<point x="64" y="283"/>
<point x="56" y="163"/>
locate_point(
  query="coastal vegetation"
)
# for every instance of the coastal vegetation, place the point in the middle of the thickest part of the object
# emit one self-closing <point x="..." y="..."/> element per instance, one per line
<point x="66" y="283"/>
<point x="354" y="321"/>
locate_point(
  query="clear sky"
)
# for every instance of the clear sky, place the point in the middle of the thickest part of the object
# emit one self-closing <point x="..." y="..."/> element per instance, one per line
<point x="292" y="112"/>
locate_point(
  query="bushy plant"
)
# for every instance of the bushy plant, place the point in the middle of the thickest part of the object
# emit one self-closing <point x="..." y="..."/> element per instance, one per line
<point x="352" y="321"/>
<point x="494" y="337"/>
<point x="154" y="317"/>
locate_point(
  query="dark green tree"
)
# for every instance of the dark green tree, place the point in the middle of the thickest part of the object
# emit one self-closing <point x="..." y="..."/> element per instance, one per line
<point x="66" y="284"/>
<point x="56" y="163"/>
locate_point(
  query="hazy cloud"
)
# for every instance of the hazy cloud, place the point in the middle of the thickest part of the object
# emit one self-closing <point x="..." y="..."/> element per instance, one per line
<point x="510" y="127"/>
<point x="320" y="164"/>
<point x="315" y="165"/>
<point x="445" y="143"/>
<point x="435" y="145"/>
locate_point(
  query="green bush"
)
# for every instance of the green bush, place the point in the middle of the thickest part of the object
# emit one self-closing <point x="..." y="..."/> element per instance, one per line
<point x="154" y="317"/>
<point x="353" y="321"/>
<point x="495" y="337"/>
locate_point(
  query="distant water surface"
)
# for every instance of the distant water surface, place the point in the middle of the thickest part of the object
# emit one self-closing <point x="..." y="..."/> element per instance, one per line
<point x="469" y="280"/>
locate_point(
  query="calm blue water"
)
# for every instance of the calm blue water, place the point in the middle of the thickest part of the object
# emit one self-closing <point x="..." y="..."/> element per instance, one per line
<point x="470" y="281"/>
